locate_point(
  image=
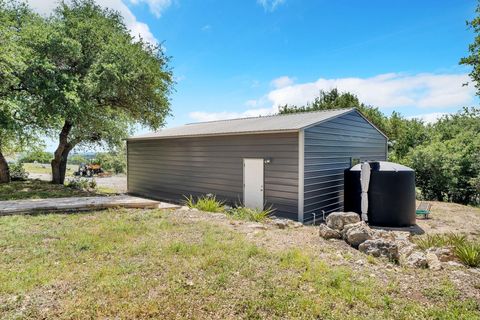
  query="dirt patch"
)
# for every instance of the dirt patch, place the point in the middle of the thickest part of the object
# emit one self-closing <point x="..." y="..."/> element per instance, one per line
<point x="451" y="217"/>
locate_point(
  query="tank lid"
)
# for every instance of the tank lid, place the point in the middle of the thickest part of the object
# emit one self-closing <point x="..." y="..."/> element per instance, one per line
<point x="383" y="166"/>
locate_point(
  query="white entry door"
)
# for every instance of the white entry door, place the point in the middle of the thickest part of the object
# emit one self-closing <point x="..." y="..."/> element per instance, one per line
<point x="253" y="183"/>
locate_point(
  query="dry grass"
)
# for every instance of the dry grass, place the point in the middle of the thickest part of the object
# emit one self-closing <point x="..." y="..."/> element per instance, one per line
<point x="155" y="264"/>
<point x="452" y="218"/>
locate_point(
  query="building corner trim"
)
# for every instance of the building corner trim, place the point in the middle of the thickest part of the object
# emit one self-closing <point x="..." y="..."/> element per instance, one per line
<point x="301" y="171"/>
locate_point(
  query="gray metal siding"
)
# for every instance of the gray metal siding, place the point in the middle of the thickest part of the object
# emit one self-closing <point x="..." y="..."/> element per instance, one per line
<point x="168" y="169"/>
<point x="329" y="149"/>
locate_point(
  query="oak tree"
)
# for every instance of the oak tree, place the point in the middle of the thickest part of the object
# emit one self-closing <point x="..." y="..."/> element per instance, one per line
<point x="94" y="79"/>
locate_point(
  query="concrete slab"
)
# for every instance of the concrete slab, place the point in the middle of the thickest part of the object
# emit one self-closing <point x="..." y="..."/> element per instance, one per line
<point x="79" y="204"/>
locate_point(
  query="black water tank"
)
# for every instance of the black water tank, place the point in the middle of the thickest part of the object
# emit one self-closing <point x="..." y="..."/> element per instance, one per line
<point x="391" y="194"/>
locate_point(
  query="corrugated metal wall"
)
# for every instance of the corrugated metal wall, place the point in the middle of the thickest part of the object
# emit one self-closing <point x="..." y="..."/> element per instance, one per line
<point x="167" y="169"/>
<point x="329" y="148"/>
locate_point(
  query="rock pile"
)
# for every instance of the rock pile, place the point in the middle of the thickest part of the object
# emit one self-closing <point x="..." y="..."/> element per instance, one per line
<point x="394" y="245"/>
<point x="380" y="248"/>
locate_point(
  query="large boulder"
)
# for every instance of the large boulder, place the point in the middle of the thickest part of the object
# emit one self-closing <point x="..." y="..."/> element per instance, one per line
<point x="380" y="248"/>
<point x="356" y="233"/>
<point x="329" y="233"/>
<point x="337" y="220"/>
<point x="417" y="259"/>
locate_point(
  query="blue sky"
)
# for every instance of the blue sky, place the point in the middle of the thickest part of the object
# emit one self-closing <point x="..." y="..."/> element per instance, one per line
<point x="243" y="58"/>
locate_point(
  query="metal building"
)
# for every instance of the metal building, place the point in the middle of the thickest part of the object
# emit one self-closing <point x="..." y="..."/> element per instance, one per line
<point x="293" y="163"/>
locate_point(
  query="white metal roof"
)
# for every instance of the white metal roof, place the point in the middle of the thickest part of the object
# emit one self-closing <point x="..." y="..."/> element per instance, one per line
<point x="263" y="124"/>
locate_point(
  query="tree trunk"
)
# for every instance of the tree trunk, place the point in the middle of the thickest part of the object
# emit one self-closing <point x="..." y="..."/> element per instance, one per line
<point x="59" y="162"/>
<point x="4" y="171"/>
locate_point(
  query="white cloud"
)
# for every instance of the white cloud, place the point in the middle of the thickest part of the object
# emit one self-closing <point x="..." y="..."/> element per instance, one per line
<point x="282" y="82"/>
<point x="137" y="28"/>
<point x="270" y="5"/>
<point x="156" y="6"/>
<point x="386" y="91"/>
<point x="429" y="117"/>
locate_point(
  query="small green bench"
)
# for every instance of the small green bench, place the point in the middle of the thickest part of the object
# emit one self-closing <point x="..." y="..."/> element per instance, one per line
<point x="423" y="209"/>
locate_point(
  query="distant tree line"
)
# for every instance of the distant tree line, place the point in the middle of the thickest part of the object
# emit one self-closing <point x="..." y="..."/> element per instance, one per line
<point x="114" y="161"/>
<point x="445" y="155"/>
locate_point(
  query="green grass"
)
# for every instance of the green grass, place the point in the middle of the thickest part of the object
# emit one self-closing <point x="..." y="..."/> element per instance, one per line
<point x="149" y="264"/>
<point x="45" y="168"/>
<point x="36" y="189"/>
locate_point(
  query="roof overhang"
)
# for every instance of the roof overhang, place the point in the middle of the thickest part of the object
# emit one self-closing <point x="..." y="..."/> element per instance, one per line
<point x="140" y="138"/>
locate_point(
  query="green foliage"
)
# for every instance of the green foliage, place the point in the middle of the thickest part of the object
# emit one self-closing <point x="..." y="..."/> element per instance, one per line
<point x="77" y="159"/>
<point x="38" y="156"/>
<point x="474" y="49"/>
<point x="208" y="203"/>
<point x="404" y="135"/>
<point x="79" y="183"/>
<point x="17" y="121"/>
<point x="447" y="166"/>
<point x="17" y="172"/>
<point x="248" y="214"/>
<point x="469" y="254"/>
<point x="113" y="161"/>
<point x="90" y="79"/>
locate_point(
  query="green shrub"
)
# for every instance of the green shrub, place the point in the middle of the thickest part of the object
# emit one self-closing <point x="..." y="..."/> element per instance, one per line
<point x="17" y="172"/>
<point x="113" y="161"/>
<point x="207" y="203"/>
<point x="80" y="183"/>
<point x="250" y="214"/>
<point x="468" y="253"/>
<point x="37" y="156"/>
<point x="77" y="159"/>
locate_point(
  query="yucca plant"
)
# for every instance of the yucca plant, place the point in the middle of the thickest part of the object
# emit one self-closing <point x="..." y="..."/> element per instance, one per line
<point x="430" y="241"/>
<point x="456" y="239"/>
<point x="249" y="214"/>
<point x="468" y="253"/>
<point x="189" y="201"/>
<point x="207" y="203"/>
